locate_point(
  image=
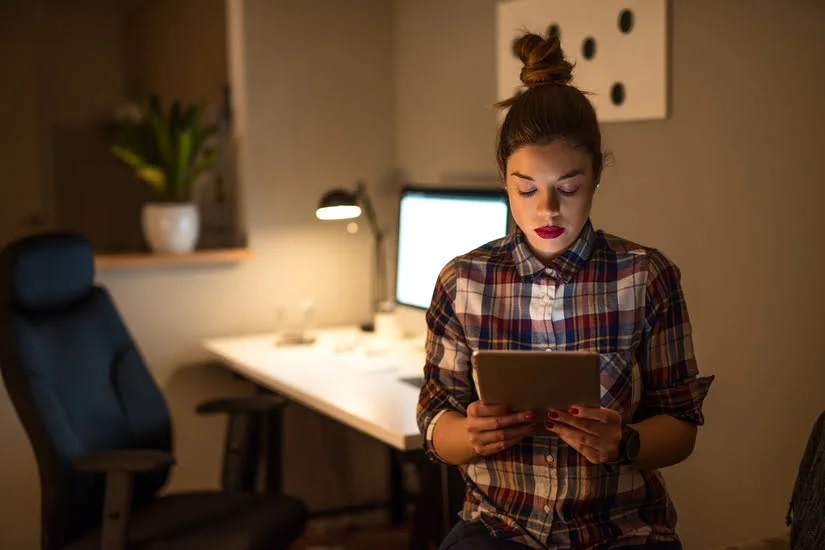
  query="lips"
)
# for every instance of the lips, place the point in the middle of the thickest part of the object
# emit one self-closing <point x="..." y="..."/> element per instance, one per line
<point x="549" y="231"/>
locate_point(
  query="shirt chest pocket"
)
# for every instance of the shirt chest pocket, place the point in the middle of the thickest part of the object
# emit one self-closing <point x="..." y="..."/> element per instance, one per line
<point x="621" y="383"/>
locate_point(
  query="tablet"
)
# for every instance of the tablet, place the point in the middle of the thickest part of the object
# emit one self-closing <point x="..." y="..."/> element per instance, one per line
<point x="538" y="380"/>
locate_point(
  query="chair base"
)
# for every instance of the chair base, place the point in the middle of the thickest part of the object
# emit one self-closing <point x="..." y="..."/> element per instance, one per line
<point x="211" y="520"/>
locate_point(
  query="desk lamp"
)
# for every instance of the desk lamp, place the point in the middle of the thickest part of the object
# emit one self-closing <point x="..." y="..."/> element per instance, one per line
<point x="341" y="204"/>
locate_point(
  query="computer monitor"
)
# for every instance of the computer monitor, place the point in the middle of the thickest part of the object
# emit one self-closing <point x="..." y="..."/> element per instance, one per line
<point x="436" y="225"/>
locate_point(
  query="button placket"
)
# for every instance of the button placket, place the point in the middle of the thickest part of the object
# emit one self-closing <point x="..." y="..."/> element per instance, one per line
<point x="554" y="475"/>
<point x="549" y="302"/>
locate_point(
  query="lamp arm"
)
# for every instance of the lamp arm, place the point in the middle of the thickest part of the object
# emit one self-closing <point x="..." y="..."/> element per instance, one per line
<point x="380" y="282"/>
<point x="362" y="197"/>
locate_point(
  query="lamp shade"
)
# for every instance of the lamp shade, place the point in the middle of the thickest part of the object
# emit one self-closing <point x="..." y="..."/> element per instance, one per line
<point x="338" y="204"/>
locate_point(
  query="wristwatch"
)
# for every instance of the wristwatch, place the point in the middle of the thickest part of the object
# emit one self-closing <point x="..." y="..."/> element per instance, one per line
<point x="629" y="447"/>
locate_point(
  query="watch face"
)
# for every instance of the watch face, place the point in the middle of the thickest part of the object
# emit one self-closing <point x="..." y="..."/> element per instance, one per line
<point x="632" y="443"/>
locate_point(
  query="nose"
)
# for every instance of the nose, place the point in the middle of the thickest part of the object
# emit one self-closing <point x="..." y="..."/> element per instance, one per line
<point x="549" y="203"/>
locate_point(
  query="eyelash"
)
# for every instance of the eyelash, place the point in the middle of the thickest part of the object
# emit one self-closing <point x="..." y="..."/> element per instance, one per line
<point x="561" y="191"/>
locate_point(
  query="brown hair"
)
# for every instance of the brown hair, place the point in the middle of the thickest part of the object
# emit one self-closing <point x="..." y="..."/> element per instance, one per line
<point x="550" y="108"/>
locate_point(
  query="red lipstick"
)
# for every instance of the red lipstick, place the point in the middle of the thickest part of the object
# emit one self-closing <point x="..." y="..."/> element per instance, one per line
<point x="549" y="231"/>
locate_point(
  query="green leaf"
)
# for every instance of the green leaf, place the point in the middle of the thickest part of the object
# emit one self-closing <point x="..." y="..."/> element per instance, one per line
<point x="151" y="174"/>
<point x="184" y="159"/>
<point x="129" y="157"/>
<point x="203" y="134"/>
<point x="154" y="176"/>
<point x="206" y="160"/>
<point x="167" y="150"/>
<point x="174" y="118"/>
<point x="162" y="139"/>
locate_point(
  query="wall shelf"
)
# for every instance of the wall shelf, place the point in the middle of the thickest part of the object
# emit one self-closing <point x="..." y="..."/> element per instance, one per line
<point x="149" y="259"/>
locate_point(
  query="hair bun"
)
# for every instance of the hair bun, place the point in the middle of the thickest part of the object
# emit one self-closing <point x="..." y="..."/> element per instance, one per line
<point x="543" y="59"/>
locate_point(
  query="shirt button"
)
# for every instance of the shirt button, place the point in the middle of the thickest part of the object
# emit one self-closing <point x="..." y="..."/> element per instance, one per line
<point x="549" y="459"/>
<point x="547" y="509"/>
<point x="549" y="349"/>
<point x="548" y="271"/>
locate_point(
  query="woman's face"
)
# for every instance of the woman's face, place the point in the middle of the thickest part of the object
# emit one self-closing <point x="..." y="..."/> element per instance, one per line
<point x="551" y="191"/>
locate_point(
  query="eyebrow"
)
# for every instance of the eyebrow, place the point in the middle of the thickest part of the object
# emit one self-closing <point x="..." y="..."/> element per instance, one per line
<point x="571" y="174"/>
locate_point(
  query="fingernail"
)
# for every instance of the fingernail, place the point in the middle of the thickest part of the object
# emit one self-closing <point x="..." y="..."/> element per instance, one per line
<point x="552" y="414"/>
<point x="573" y="411"/>
<point x="549" y="425"/>
<point x="529" y="416"/>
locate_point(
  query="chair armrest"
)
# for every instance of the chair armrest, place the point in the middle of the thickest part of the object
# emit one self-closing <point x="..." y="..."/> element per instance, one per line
<point x="250" y="420"/>
<point x="120" y="466"/>
<point x="252" y="404"/>
<point x="137" y="460"/>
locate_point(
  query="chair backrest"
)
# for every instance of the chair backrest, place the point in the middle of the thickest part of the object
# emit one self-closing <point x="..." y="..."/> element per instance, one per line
<point x="75" y="377"/>
<point x="806" y="513"/>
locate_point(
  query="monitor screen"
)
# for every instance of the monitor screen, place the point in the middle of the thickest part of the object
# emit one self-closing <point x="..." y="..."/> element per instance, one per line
<point x="435" y="226"/>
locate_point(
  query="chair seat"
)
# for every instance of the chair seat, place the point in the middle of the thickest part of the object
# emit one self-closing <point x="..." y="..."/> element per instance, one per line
<point x="207" y="520"/>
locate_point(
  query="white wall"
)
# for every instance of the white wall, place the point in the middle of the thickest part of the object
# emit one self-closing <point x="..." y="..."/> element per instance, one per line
<point x="729" y="187"/>
<point x="735" y="170"/>
<point x="320" y="108"/>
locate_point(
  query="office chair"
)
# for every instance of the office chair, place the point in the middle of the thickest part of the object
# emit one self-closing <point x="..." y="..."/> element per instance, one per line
<point x="100" y="427"/>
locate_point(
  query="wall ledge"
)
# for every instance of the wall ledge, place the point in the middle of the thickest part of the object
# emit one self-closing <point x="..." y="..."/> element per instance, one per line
<point x="150" y="259"/>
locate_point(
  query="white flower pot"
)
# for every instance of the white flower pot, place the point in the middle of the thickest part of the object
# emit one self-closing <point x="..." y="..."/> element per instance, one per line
<point x="171" y="228"/>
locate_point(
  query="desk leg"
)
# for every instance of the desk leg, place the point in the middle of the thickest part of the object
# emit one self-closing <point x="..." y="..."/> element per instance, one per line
<point x="440" y="498"/>
<point x="396" y="486"/>
<point x="241" y="453"/>
<point x="273" y="456"/>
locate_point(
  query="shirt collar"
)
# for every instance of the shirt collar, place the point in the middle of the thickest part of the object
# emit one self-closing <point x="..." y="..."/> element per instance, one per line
<point x="564" y="266"/>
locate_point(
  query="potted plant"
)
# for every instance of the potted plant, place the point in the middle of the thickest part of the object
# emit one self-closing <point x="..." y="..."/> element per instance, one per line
<point x="168" y="151"/>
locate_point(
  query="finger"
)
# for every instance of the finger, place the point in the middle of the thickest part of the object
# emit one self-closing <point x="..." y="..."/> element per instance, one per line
<point x="494" y="447"/>
<point x="497" y="447"/>
<point x="484" y="438"/>
<point x="612" y="415"/>
<point x="592" y="454"/>
<point x="597" y="414"/>
<point x="477" y="408"/>
<point x="592" y="427"/>
<point x="573" y="436"/>
<point x="491" y="423"/>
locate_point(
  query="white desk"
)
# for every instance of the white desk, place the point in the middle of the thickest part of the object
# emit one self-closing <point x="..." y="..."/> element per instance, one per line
<point x="346" y="375"/>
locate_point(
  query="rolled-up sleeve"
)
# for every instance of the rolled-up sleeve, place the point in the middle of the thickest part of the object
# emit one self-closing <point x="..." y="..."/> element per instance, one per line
<point x="447" y="370"/>
<point x="670" y="374"/>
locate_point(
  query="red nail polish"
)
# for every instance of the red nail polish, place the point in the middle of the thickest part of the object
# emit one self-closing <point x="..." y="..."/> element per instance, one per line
<point x="528" y="417"/>
<point x="552" y="414"/>
<point x="573" y="410"/>
<point x="549" y="425"/>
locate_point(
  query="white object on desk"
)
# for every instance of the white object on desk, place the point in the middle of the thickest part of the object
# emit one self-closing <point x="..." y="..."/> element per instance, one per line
<point x="327" y="378"/>
<point x="371" y="353"/>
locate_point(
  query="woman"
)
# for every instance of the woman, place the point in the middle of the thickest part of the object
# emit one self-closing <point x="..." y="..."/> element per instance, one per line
<point x="558" y="284"/>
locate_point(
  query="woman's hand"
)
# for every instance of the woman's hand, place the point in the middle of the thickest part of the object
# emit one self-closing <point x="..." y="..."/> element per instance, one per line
<point x="596" y="432"/>
<point x="494" y="428"/>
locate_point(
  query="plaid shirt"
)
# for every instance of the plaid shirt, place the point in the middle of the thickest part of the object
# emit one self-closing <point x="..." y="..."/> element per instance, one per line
<point x="602" y="294"/>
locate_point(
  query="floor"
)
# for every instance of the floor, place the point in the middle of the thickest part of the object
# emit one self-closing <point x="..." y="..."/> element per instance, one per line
<point x="365" y="532"/>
